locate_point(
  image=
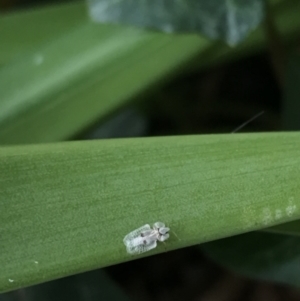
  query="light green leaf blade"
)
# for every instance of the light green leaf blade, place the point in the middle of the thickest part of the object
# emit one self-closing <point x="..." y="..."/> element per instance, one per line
<point x="100" y="84"/>
<point x="81" y="75"/>
<point x="25" y="31"/>
<point x="76" y="83"/>
<point x="69" y="205"/>
<point x="230" y="20"/>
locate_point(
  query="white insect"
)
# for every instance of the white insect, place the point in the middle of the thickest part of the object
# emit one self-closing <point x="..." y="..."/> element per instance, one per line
<point x="145" y="239"/>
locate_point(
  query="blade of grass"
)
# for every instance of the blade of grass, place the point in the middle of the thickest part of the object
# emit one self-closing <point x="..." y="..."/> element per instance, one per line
<point x="27" y="30"/>
<point x="69" y="205"/>
<point x="71" y="78"/>
<point x="84" y="75"/>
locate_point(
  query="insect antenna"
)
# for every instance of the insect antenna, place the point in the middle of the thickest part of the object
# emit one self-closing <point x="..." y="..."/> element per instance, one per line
<point x="247" y="122"/>
<point x="175" y="234"/>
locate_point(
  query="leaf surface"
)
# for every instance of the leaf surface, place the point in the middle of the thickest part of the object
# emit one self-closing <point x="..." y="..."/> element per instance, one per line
<point x="69" y="205"/>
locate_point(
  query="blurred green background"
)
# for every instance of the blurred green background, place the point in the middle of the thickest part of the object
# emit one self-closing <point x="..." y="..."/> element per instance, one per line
<point x="62" y="77"/>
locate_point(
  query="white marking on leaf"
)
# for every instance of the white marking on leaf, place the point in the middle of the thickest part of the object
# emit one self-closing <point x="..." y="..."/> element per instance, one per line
<point x="291" y="208"/>
<point x="278" y="214"/>
<point x="267" y="216"/>
<point x="38" y="59"/>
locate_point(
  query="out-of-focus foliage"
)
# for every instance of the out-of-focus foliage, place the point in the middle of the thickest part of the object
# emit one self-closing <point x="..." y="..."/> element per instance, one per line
<point x="270" y="257"/>
<point x="230" y="20"/>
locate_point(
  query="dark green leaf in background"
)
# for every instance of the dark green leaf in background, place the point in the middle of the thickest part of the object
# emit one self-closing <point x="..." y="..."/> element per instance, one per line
<point x="291" y="110"/>
<point x="230" y="20"/>
<point x="33" y="90"/>
<point x="265" y="256"/>
<point x="91" y="286"/>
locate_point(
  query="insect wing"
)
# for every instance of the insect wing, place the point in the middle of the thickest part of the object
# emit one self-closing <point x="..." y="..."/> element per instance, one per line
<point x="158" y="225"/>
<point x="128" y="239"/>
<point x="141" y="248"/>
<point x="164" y="230"/>
<point x="164" y="237"/>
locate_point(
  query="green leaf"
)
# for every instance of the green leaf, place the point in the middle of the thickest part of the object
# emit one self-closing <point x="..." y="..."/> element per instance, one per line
<point x="291" y="112"/>
<point x="75" y="83"/>
<point x="291" y="121"/>
<point x="91" y="286"/>
<point x="101" y="73"/>
<point x="70" y="81"/>
<point x="25" y="31"/>
<point x="291" y="228"/>
<point x="230" y="20"/>
<point x="68" y="205"/>
<point x="270" y="257"/>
